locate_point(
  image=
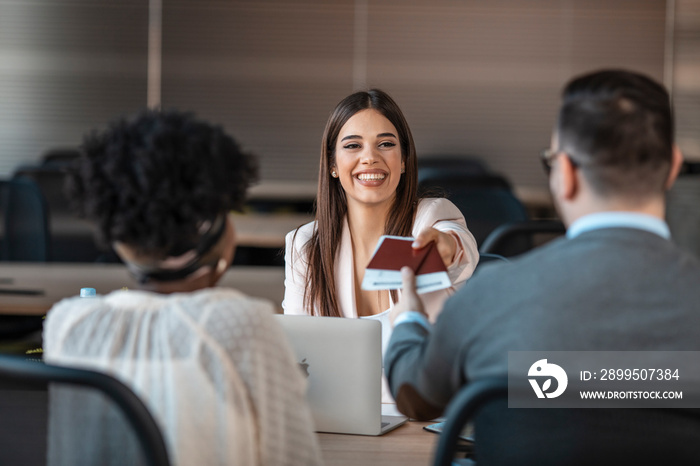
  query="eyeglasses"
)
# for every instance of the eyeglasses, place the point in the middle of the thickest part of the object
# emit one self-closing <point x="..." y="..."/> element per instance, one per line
<point x="547" y="157"/>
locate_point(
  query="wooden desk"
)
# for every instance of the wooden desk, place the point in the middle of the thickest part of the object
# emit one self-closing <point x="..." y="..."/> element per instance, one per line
<point x="407" y="445"/>
<point x="258" y="230"/>
<point x="58" y="281"/>
<point x="266" y="230"/>
<point x="284" y="191"/>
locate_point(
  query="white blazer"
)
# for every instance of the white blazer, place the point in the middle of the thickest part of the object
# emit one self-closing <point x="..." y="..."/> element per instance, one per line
<point x="438" y="213"/>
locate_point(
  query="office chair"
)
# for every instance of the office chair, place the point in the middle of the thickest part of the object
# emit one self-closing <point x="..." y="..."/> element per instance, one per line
<point x="443" y="165"/>
<point x="485" y="258"/>
<point x="13" y="328"/>
<point x="462" y="409"/>
<point x="486" y="201"/>
<point x="59" y="158"/>
<point x="71" y="239"/>
<point x="4" y="186"/>
<point x="49" y="179"/>
<point x="502" y="238"/>
<point x="603" y="436"/>
<point x="682" y="214"/>
<point x="26" y="222"/>
<point x="32" y="402"/>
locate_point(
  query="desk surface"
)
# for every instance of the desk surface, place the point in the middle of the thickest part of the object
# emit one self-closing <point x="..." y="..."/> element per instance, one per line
<point x="262" y="230"/>
<point x="407" y="445"/>
<point x="266" y="230"/>
<point x="57" y="281"/>
<point x="254" y="229"/>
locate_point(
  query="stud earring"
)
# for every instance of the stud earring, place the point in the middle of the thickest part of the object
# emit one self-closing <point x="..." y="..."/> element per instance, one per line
<point x="334" y="174"/>
<point x="221" y="266"/>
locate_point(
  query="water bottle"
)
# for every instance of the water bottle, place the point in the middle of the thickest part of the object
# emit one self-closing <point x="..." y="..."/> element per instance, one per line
<point x="87" y="293"/>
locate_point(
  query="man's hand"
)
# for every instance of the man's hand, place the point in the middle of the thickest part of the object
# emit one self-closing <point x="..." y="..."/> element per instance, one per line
<point x="446" y="244"/>
<point x="409" y="300"/>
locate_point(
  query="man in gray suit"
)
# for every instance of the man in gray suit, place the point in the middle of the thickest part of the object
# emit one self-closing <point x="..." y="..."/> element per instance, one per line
<point x="616" y="282"/>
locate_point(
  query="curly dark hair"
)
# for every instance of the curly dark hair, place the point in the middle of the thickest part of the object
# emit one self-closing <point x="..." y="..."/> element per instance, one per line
<point x="151" y="180"/>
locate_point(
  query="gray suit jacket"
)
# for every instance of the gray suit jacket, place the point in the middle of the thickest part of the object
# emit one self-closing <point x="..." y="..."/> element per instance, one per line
<point x="610" y="289"/>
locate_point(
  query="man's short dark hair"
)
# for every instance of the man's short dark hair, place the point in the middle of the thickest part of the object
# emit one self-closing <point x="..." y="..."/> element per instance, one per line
<point x="618" y="126"/>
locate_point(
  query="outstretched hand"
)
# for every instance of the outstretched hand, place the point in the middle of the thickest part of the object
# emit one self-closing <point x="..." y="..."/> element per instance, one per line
<point x="446" y="244"/>
<point x="409" y="300"/>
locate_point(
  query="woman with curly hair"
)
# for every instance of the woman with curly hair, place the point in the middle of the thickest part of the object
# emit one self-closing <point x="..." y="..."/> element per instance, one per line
<point x="212" y="365"/>
<point x="368" y="188"/>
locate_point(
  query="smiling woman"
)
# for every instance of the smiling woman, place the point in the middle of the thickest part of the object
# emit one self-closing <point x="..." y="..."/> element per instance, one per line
<point x="368" y="160"/>
<point x="368" y="188"/>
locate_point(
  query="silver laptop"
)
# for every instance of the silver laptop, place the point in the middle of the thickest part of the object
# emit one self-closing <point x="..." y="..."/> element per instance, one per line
<point x="342" y="359"/>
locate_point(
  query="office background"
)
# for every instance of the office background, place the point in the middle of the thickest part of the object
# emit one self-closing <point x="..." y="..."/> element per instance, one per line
<point x="474" y="77"/>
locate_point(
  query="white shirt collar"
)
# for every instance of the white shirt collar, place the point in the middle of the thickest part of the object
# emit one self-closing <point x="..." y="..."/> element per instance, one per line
<point x="619" y="220"/>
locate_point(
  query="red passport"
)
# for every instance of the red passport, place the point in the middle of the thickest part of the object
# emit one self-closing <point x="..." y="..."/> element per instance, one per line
<point x="394" y="252"/>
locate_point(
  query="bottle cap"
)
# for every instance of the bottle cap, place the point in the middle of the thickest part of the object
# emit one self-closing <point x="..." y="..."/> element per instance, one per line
<point x="87" y="293"/>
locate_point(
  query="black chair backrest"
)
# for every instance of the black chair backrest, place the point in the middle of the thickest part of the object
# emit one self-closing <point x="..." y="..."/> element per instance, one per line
<point x="4" y="184"/>
<point x="439" y="166"/>
<point x="26" y="234"/>
<point x="462" y="409"/>
<point x="516" y="436"/>
<point x="485" y="258"/>
<point x="682" y="213"/>
<point x="485" y="201"/>
<point x="501" y="239"/>
<point x="60" y="158"/>
<point x="50" y="180"/>
<point x="71" y="239"/>
<point x="28" y="381"/>
<point x="13" y="327"/>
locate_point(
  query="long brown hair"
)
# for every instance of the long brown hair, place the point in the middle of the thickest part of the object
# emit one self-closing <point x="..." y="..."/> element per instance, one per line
<point x="331" y="204"/>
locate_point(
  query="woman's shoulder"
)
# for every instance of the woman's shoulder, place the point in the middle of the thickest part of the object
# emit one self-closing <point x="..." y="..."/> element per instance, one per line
<point x="74" y="319"/>
<point x="227" y="300"/>
<point x="64" y="311"/>
<point x="240" y="322"/>
<point x="437" y="205"/>
<point x="75" y="308"/>
<point x="223" y="311"/>
<point x="302" y="234"/>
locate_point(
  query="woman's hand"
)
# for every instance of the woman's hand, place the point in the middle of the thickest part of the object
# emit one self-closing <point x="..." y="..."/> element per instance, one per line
<point x="446" y="244"/>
